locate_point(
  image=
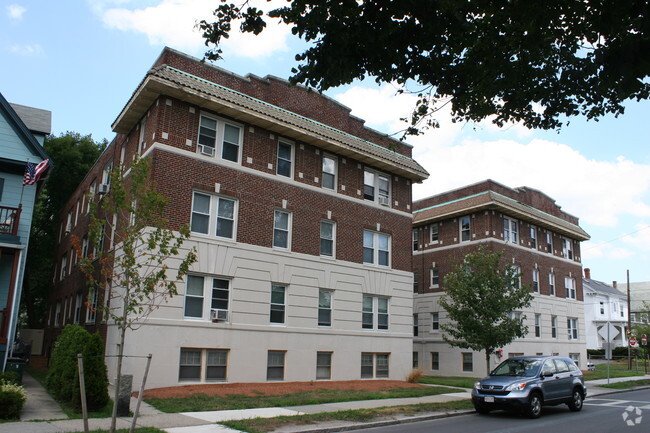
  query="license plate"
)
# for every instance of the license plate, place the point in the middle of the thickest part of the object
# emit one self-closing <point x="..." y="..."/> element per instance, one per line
<point x="489" y="399"/>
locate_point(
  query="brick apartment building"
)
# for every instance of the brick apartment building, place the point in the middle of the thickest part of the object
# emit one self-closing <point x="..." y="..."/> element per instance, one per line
<point x="534" y="233"/>
<point x="301" y="218"/>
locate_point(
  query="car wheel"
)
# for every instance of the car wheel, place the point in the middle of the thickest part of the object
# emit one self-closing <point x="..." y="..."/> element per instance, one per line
<point x="576" y="400"/>
<point x="482" y="410"/>
<point x="534" y="409"/>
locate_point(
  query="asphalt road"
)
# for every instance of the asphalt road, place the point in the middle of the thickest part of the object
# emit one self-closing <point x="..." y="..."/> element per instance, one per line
<point x="613" y="413"/>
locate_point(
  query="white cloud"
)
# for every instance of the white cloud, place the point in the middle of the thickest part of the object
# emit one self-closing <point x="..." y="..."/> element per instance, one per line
<point x="27" y="50"/>
<point x="15" y="12"/>
<point x="173" y="23"/>
<point x="640" y="237"/>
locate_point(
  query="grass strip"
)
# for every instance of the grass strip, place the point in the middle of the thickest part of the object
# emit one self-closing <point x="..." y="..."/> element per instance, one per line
<point x="616" y="369"/>
<point x="263" y="425"/>
<point x="203" y="402"/>
<point x="461" y="382"/>
<point x="627" y="385"/>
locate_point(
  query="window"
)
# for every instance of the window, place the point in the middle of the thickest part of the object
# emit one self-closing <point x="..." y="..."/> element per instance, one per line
<point x="277" y="303"/>
<point x="285" y="156"/>
<point x="554" y="326"/>
<point x="84" y="246"/>
<point x="567" y="248"/>
<point x="510" y="230"/>
<point x="435" y="279"/>
<point x="374" y="313"/>
<point x="324" y="308"/>
<point x="465" y="229"/>
<point x="64" y="266"/>
<point x="374" y="365"/>
<point x="602" y="307"/>
<point x="99" y="248"/>
<point x="207" y="135"/>
<point x="376" y="187"/>
<point x="106" y="173"/>
<point x="415" y="239"/>
<point x="435" y="321"/>
<point x="433" y="233"/>
<point x="327" y="236"/>
<point x="515" y="315"/>
<point x="275" y="365"/>
<point x="376" y="248"/>
<point x="77" y="309"/>
<point x="517" y="272"/>
<point x="190" y="365"/>
<point x="323" y="365"/>
<point x="91" y="308"/>
<point x="549" y="242"/>
<point x="533" y="237"/>
<point x="230" y="149"/>
<point x="220" y="291"/>
<point x="572" y="328"/>
<point x="551" y="284"/>
<point x="416" y="361"/>
<point x="576" y="358"/>
<point x="468" y="363"/>
<point x="329" y="172"/>
<point x="570" y="285"/>
<point x="68" y="223"/>
<point x="281" y="232"/>
<point x="416" y="282"/>
<point x="538" y="325"/>
<point x="435" y="361"/>
<point x="216" y="364"/>
<point x="141" y="135"/>
<point x="57" y="315"/>
<point x="535" y="281"/>
<point x="221" y="210"/>
<point x="416" y="327"/>
<point x="194" y="295"/>
<point x="212" y="131"/>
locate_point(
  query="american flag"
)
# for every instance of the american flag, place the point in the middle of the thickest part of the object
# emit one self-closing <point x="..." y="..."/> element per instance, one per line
<point x="33" y="172"/>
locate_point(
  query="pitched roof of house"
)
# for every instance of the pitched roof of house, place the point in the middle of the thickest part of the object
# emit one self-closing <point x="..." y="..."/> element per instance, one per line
<point x="21" y="129"/>
<point x="176" y="83"/>
<point x="493" y="200"/>
<point x="601" y="288"/>
<point x="37" y="120"/>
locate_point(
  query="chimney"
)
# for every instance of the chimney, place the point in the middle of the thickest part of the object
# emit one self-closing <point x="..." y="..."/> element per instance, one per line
<point x="588" y="273"/>
<point x="614" y="284"/>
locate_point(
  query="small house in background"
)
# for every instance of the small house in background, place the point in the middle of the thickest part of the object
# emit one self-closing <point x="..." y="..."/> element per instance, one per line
<point x="605" y="314"/>
<point x="23" y="164"/>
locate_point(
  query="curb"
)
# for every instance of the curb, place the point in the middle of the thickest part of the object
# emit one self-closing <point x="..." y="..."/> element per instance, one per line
<point x="618" y="391"/>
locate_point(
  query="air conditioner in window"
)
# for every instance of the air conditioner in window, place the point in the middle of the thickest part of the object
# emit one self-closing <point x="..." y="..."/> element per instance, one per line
<point x="384" y="201"/>
<point x="102" y="188"/>
<point x="218" y="315"/>
<point x="206" y="150"/>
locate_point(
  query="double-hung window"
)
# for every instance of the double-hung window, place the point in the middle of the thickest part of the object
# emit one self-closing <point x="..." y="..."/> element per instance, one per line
<point x="217" y="137"/>
<point x="218" y="289"/>
<point x="203" y="364"/>
<point x="510" y="230"/>
<point x="281" y="229"/>
<point x="230" y="149"/>
<point x="416" y="326"/>
<point x="77" y="309"/>
<point x="553" y="326"/>
<point x="433" y="232"/>
<point x="376" y="248"/>
<point x="220" y="210"/>
<point x="551" y="283"/>
<point x="570" y="285"/>
<point x="416" y="239"/>
<point x="374" y="312"/>
<point x="285" y="159"/>
<point x="374" y="365"/>
<point x="549" y="242"/>
<point x="207" y="136"/>
<point x="275" y="365"/>
<point x="572" y="328"/>
<point x="194" y="297"/>
<point x="533" y="237"/>
<point x="535" y="280"/>
<point x="567" y="248"/>
<point x="278" y="305"/>
<point x="324" y="308"/>
<point x="538" y="325"/>
<point x="327" y="236"/>
<point x="376" y="187"/>
<point x="465" y="229"/>
<point x="435" y="321"/>
<point x="323" y="365"/>
<point x="435" y="277"/>
<point x="190" y="365"/>
<point x="329" y="172"/>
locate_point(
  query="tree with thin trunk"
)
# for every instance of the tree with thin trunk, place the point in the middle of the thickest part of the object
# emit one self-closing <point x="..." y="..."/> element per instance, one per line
<point x="482" y="296"/>
<point x="133" y="249"/>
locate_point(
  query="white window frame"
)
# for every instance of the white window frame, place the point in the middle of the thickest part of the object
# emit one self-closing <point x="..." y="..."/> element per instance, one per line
<point x="533" y="237"/>
<point x="77" y="308"/>
<point x="570" y="287"/>
<point x="551" y="283"/>
<point x="572" y="328"/>
<point x="91" y="309"/>
<point x="549" y="242"/>
<point x="434" y="277"/>
<point x="209" y="298"/>
<point x="325" y="306"/>
<point x="323" y="365"/>
<point x="510" y="230"/>
<point x="375" y="360"/>
<point x="277" y="306"/>
<point x="435" y="321"/>
<point x="64" y="266"/>
<point x="213" y="216"/>
<point x="372" y="317"/>
<point x="327" y="174"/>
<point x="434" y="233"/>
<point x="415" y="233"/>
<point x="375" y="248"/>
<point x="467" y="359"/>
<point x="536" y="280"/>
<point x="416" y="325"/>
<point x="282" y="229"/>
<point x="383" y="199"/>
<point x="554" y="327"/>
<point x="325" y="239"/>
<point x="567" y="248"/>
<point x="538" y="325"/>
<point x="220" y="137"/>
<point x="435" y="361"/>
<point x="291" y="161"/>
<point x="462" y="231"/>
<point x="276" y="366"/>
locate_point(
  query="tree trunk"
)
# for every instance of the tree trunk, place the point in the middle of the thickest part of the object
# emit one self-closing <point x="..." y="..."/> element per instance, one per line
<point x="487" y="360"/>
<point x="117" y="380"/>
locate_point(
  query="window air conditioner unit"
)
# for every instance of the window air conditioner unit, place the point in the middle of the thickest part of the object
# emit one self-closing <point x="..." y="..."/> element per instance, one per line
<point x="206" y="150"/>
<point x="102" y="188"/>
<point x="384" y="201"/>
<point x="218" y="315"/>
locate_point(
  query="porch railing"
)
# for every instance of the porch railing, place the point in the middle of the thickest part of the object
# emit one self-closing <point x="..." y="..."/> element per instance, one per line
<point x="9" y="220"/>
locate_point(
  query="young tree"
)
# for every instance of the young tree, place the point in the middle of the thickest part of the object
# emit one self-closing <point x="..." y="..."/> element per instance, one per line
<point x="134" y="267"/>
<point x="640" y="329"/>
<point x="515" y="61"/>
<point x="481" y="293"/>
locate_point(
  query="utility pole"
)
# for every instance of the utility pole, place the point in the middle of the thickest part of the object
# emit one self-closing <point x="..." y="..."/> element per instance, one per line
<point x="629" y="324"/>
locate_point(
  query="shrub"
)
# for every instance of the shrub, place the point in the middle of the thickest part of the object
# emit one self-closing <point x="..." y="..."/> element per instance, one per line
<point x="12" y="399"/>
<point x="63" y="376"/>
<point x="414" y="376"/>
<point x="619" y="351"/>
<point x="10" y="377"/>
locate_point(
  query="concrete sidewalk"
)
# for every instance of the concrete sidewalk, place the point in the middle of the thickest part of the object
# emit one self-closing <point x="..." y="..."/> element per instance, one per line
<point x="204" y="422"/>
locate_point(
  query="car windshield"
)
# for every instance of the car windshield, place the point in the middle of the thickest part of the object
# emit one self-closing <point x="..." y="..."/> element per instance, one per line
<point x="517" y="367"/>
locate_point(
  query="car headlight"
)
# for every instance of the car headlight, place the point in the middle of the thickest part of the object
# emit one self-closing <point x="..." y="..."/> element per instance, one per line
<point x="516" y="386"/>
<point x="477" y="385"/>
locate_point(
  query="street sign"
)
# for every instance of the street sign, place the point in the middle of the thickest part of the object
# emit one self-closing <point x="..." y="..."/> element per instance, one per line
<point x="608" y="332"/>
<point x="644" y="340"/>
<point x="632" y="341"/>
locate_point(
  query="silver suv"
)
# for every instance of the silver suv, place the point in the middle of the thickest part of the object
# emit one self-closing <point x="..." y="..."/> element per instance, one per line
<point x="529" y="382"/>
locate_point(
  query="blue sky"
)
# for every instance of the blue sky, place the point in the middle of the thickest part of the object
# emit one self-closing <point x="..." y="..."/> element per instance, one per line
<point x="83" y="59"/>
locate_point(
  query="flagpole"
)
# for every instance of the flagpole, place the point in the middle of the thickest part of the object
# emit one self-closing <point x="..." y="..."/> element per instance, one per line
<point x="23" y="188"/>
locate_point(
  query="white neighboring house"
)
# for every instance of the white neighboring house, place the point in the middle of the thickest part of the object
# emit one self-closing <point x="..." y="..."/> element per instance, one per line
<point x="604" y="304"/>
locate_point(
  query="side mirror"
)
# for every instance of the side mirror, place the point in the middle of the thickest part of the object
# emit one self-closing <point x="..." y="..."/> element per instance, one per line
<point x="547" y="374"/>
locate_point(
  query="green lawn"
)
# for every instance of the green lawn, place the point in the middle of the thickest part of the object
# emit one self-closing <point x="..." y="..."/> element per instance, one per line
<point x="263" y="425"/>
<point x="202" y="402"/>
<point x="461" y="382"/>
<point x="616" y="369"/>
<point x="628" y="385"/>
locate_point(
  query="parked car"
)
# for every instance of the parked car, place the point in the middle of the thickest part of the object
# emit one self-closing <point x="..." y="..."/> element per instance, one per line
<point x="527" y="383"/>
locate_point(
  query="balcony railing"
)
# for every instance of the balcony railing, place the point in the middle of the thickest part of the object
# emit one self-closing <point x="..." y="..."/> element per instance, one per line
<point x="9" y="220"/>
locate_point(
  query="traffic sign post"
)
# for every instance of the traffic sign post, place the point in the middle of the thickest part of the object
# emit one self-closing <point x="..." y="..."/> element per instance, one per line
<point x="644" y="340"/>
